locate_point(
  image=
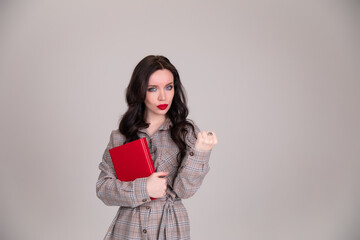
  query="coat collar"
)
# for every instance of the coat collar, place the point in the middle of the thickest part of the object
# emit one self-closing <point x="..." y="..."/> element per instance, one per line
<point x="167" y="124"/>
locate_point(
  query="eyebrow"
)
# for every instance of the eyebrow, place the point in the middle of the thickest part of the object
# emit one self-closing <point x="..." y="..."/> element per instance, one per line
<point x="157" y="85"/>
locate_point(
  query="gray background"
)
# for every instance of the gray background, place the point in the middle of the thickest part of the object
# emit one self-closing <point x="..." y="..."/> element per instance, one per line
<point x="277" y="80"/>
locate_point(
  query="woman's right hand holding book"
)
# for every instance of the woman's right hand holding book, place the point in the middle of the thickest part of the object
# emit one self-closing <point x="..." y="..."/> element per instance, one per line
<point x="156" y="184"/>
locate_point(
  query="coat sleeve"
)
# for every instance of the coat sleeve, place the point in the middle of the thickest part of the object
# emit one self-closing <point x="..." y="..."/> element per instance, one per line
<point x="193" y="168"/>
<point x="114" y="192"/>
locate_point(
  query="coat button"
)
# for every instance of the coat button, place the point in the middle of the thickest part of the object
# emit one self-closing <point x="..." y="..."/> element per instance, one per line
<point x="144" y="200"/>
<point x="147" y="207"/>
<point x="144" y="231"/>
<point x="191" y="153"/>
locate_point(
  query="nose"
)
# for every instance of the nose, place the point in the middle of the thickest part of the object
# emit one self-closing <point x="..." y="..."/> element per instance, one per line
<point x="161" y="95"/>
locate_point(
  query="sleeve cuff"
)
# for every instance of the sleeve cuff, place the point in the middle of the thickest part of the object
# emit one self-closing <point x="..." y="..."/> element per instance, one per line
<point x="140" y="193"/>
<point x="198" y="155"/>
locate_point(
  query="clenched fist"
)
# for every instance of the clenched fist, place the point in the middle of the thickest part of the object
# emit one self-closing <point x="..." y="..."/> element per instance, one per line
<point x="205" y="141"/>
<point x="156" y="184"/>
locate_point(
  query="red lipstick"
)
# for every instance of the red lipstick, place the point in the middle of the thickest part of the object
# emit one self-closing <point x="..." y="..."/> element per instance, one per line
<point x="162" y="106"/>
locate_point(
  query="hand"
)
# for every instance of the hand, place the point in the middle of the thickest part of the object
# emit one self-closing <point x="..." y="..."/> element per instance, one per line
<point x="156" y="184"/>
<point x="206" y="140"/>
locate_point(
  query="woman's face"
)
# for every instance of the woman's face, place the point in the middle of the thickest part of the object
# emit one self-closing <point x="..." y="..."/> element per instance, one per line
<point x="159" y="93"/>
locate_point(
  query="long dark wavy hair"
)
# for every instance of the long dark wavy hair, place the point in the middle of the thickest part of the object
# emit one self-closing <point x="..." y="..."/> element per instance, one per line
<point x="133" y="119"/>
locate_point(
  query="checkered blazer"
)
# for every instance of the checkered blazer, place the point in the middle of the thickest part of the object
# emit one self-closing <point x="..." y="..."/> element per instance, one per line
<point x="138" y="217"/>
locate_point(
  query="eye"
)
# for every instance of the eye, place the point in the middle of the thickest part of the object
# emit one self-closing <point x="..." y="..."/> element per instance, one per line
<point x="152" y="89"/>
<point x="169" y="87"/>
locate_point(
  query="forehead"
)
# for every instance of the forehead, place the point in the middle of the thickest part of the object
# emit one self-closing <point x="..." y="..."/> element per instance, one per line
<point x="161" y="77"/>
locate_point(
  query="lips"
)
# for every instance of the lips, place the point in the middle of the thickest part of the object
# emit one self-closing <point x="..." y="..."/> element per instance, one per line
<point x="162" y="106"/>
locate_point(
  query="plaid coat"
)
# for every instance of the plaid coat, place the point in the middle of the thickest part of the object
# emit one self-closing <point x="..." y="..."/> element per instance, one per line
<point x="138" y="217"/>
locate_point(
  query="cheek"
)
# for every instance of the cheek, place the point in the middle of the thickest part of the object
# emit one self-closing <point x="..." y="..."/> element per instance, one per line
<point x="149" y="99"/>
<point x="171" y="95"/>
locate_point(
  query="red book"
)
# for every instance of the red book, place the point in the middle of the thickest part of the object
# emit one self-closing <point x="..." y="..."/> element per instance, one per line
<point x="132" y="160"/>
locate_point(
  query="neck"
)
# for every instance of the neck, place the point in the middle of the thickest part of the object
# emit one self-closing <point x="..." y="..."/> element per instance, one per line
<point x="155" y="120"/>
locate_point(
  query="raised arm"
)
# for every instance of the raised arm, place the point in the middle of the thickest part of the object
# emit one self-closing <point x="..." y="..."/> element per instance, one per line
<point x="195" y="164"/>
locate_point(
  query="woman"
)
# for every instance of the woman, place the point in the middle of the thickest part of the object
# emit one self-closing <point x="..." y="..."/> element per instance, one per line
<point x="157" y="110"/>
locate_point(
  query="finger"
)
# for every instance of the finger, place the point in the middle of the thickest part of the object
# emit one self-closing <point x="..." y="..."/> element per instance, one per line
<point x="199" y="136"/>
<point x="210" y="134"/>
<point x="212" y="137"/>
<point x="209" y="141"/>
<point x="204" y="135"/>
<point x="209" y="138"/>
<point x="213" y="134"/>
<point x="161" y="174"/>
